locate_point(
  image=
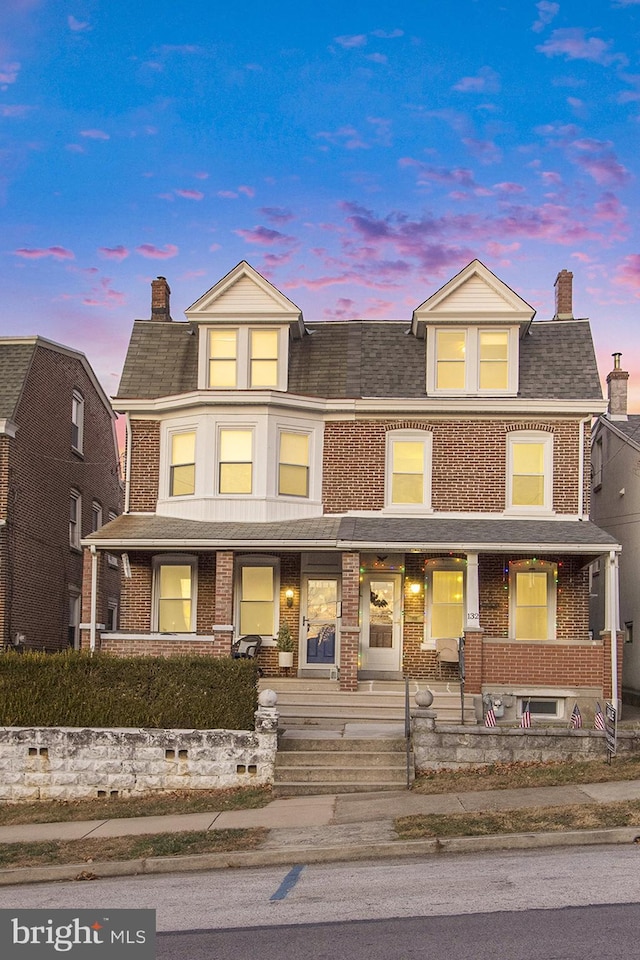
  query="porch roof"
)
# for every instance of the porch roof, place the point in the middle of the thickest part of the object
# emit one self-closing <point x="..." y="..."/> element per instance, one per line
<point x="152" y="532"/>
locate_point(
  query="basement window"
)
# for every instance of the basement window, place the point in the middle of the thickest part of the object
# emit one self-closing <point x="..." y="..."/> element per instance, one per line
<point x="542" y="708"/>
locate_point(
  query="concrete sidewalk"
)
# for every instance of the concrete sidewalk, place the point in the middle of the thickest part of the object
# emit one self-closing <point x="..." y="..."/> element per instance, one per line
<point x="324" y="828"/>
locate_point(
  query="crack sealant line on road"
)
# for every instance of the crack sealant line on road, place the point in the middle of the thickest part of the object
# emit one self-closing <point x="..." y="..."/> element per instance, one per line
<point x="288" y="883"/>
<point x="88" y="836"/>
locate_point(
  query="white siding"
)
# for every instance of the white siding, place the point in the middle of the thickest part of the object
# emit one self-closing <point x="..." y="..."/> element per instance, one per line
<point x="244" y="297"/>
<point x="474" y="294"/>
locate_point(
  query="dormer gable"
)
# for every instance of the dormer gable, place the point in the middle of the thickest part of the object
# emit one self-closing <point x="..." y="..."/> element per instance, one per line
<point x="244" y="325"/>
<point x="473" y="325"/>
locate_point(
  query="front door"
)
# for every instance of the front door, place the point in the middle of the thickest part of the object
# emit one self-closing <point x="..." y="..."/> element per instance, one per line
<point x="381" y="625"/>
<point x="320" y="622"/>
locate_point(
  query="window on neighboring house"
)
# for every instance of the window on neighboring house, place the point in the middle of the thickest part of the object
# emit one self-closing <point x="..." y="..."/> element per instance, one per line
<point x="264" y="358"/>
<point x="73" y="635"/>
<point x="112" y="560"/>
<point x="96" y="516"/>
<point x="446" y="601"/>
<point x="258" y="586"/>
<point x="182" y="480"/>
<point x="223" y="358"/>
<point x="77" y="421"/>
<point x="293" y="466"/>
<point x="408" y="481"/>
<point x="596" y="463"/>
<point x="175" y="595"/>
<point x="75" y="519"/>
<point x="529" y="471"/>
<point x="451" y="347"/>
<point x="111" y="622"/>
<point x="494" y="359"/>
<point x="532" y="595"/>
<point x="235" y="461"/>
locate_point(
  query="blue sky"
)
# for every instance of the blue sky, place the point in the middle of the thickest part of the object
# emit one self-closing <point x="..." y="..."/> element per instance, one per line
<point x="358" y="155"/>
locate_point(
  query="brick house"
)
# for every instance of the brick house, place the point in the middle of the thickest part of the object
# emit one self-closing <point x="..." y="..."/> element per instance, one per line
<point x="615" y="506"/>
<point x="59" y="480"/>
<point x="383" y="487"/>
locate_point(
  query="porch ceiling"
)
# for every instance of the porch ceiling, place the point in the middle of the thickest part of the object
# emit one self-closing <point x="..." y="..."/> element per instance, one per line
<point x="149" y="532"/>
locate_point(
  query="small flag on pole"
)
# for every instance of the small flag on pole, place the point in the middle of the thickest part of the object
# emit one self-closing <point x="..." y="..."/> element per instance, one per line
<point x="525" y="719"/>
<point x="598" y="721"/>
<point x="490" y="717"/>
<point x="576" y="718"/>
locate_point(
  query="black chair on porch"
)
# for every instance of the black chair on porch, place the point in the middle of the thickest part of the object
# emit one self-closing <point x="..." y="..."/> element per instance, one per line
<point x="247" y="648"/>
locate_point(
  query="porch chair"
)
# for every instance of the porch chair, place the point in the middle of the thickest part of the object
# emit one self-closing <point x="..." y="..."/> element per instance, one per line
<point x="447" y="651"/>
<point x="247" y="648"/>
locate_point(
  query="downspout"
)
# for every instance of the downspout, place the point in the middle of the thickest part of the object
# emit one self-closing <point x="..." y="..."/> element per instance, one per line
<point x="612" y="624"/>
<point x="581" y="446"/>
<point x="127" y="463"/>
<point x="94" y="598"/>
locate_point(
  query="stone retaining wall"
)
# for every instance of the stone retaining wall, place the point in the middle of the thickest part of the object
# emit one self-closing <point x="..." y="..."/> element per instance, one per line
<point x="446" y="746"/>
<point x="68" y="763"/>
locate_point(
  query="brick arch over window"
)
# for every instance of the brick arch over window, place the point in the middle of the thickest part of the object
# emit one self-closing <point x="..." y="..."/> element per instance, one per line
<point x="529" y="426"/>
<point x="408" y="425"/>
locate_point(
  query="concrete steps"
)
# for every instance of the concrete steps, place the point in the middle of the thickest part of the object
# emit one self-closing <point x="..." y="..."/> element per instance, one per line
<point x="331" y="763"/>
<point x="305" y="703"/>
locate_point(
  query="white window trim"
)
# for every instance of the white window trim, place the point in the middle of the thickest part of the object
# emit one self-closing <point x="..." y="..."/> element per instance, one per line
<point x="239" y="427"/>
<point x="426" y="438"/>
<point x="96" y="510"/>
<point x="472" y="359"/>
<point x="75" y="529"/>
<point x="539" y="566"/>
<point x="77" y="406"/>
<point x="309" y="434"/>
<point x="112" y="559"/>
<point x="243" y="356"/>
<point x="458" y="567"/>
<point x="259" y="560"/>
<point x="112" y="604"/>
<point x="75" y="598"/>
<point x="178" y="560"/>
<point x="531" y="436"/>
<point x="170" y="429"/>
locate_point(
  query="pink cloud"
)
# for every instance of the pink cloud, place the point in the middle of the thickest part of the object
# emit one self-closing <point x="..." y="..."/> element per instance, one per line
<point x="449" y="175"/>
<point x="103" y="296"/>
<point x="75" y="148"/>
<point x="157" y="253"/>
<point x="95" y="134"/>
<point x="78" y="25"/>
<point x="8" y="74"/>
<point x="485" y="81"/>
<point x="390" y="35"/>
<point x="228" y="194"/>
<point x="499" y="249"/>
<point x="248" y="191"/>
<point x="348" y="42"/>
<point x="609" y="210"/>
<point x="15" y="110"/>
<point x="264" y="236"/>
<point x="190" y="194"/>
<point x="485" y="150"/>
<point x="509" y="188"/>
<point x="546" y="13"/>
<point x="201" y="175"/>
<point x="377" y="57"/>
<point x="599" y="160"/>
<point x="551" y="177"/>
<point x="114" y="253"/>
<point x="572" y="43"/>
<point x="344" y="308"/>
<point x="628" y="273"/>
<point x="347" y="137"/>
<point x="277" y="214"/>
<point x="37" y="253"/>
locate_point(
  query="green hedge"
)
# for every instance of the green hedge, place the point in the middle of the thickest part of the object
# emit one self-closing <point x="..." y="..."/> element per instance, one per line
<point x="79" y="690"/>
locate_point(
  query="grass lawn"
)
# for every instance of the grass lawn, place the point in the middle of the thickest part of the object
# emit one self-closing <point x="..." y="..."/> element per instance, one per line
<point x="512" y="776"/>
<point x="146" y="805"/>
<point x="86" y="852"/>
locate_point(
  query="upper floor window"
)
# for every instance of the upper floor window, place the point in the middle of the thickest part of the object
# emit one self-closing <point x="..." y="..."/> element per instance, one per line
<point x="472" y="360"/>
<point x="245" y="357"/>
<point x="112" y="560"/>
<point x="75" y="519"/>
<point x="182" y="472"/>
<point x="408" y="480"/>
<point x="532" y="596"/>
<point x="529" y="471"/>
<point x="77" y="421"/>
<point x="174" y="595"/>
<point x="235" y="461"/>
<point x="96" y="515"/>
<point x="596" y="463"/>
<point x="293" y="465"/>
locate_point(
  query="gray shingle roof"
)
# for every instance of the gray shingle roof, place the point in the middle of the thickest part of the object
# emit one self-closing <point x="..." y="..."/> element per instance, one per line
<point x="351" y="532"/>
<point x="363" y="359"/>
<point x="15" y="359"/>
<point x="629" y="428"/>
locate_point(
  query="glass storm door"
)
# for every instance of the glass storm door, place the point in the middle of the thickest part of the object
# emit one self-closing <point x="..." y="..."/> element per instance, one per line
<point x="380" y="643"/>
<point x="320" y="623"/>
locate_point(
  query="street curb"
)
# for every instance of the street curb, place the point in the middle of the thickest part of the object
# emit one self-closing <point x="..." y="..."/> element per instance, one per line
<point x="290" y="855"/>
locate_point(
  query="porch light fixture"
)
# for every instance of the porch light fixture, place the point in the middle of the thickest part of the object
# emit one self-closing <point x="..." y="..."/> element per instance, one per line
<point x="415" y="588"/>
<point x="289" y="595"/>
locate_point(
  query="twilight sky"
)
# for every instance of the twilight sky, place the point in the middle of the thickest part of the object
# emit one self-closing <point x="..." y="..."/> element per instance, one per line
<point x="358" y="155"/>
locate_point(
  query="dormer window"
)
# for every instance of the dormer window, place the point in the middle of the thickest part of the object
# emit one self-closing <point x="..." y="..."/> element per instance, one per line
<point x="263" y="358"/>
<point x="223" y="358"/>
<point x="493" y="359"/>
<point x="472" y="360"/>
<point x="246" y="357"/>
<point x="451" y="350"/>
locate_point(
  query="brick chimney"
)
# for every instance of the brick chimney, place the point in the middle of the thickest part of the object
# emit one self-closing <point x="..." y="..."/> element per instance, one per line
<point x="617" y="390"/>
<point x="564" y="296"/>
<point x="160" y="294"/>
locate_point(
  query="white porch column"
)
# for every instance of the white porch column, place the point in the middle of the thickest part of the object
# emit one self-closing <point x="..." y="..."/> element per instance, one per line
<point x="472" y="621"/>
<point x="612" y="618"/>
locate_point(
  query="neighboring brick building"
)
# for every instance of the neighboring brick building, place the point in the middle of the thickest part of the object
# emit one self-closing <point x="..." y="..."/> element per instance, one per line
<point x="380" y="486"/>
<point x="59" y="480"/>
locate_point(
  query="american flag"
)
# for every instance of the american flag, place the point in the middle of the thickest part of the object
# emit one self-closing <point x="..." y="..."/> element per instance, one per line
<point x="525" y="719"/>
<point x="490" y="718"/>
<point x="598" y="721"/>
<point x="576" y="718"/>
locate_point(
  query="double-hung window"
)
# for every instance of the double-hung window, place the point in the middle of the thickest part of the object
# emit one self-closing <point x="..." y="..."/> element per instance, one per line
<point x="235" y="461"/>
<point x="293" y="465"/>
<point x="529" y="472"/>
<point x="175" y="595"/>
<point x="96" y="515"/>
<point x="258" y="586"/>
<point x="472" y="360"/>
<point x="447" y="603"/>
<point x="223" y="358"/>
<point x="493" y="359"/>
<point x="182" y="471"/>
<point x="77" y="421"/>
<point x="451" y="350"/>
<point x="532" y="600"/>
<point x="75" y="519"/>
<point x="263" y="358"/>
<point x="245" y="357"/>
<point x="408" y="479"/>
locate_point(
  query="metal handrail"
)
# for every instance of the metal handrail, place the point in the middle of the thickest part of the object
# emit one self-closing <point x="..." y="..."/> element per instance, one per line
<point x="407" y="730"/>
